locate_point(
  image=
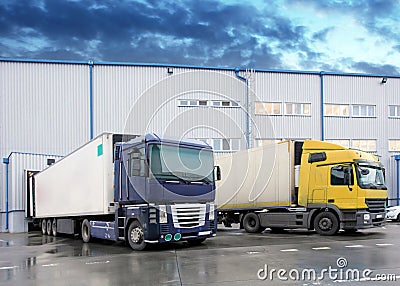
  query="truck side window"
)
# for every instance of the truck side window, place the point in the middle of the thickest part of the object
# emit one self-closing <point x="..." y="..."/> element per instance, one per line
<point x="137" y="161"/>
<point x="341" y="176"/>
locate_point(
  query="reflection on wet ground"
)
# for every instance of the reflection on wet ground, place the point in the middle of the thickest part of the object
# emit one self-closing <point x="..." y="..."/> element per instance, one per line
<point x="231" y="258"/>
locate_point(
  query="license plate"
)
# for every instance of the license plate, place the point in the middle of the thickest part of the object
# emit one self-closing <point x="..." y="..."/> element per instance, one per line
<point x="379" y="216"/>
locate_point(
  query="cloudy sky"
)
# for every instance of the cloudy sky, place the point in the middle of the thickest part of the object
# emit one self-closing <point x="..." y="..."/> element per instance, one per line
<point x="360" y="36"/>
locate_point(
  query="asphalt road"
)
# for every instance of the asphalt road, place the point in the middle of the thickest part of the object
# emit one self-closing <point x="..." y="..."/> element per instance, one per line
<point x="232" y="258"/>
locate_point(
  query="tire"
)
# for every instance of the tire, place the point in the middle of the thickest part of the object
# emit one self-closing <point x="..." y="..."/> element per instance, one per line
<point x="44" y="227"/>
<point x="326" y="223"/>
<point x="49" y="227"/>
<point x="197" y="241"/>
<point x="85" y="230"/>
<point x="135" y="236"/>
<point x="398" y="217"/>
<point x="251" y="223"/>
<point x="54" y="227"/>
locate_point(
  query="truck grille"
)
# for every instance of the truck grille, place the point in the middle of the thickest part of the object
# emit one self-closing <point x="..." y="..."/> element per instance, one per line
<point x="188" y="215"/>
<point x="375" y="205"/>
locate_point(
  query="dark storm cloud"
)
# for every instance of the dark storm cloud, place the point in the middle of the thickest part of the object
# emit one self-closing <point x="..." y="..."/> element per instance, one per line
<point x="206" y="32"/>
<point x="376" y="69"/>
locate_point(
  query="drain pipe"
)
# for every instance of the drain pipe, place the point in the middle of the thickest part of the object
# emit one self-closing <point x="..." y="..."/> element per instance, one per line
<point x="248" y="144"/>
<point x="397" y="158"/>
<point x="6" y="161"/>
<point x="90" y="63"/>
<point x="321" y="76"/>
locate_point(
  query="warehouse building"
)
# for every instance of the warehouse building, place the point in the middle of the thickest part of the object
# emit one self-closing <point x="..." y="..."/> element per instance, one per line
<point x="50" y="108"/>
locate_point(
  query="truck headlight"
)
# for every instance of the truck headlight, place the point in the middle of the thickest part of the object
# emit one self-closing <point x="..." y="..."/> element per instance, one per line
<point x="211" y="215"/>
<point x="367" y="216"/>
<point x="162" y="210"/>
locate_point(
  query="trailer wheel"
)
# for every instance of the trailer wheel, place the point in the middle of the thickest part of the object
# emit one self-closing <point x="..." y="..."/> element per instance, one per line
<point x="136" y="236"/>
<point x="49" y="224"/>
<point x="251" y="223"/>
<point x="54" y="227"/>
<point x="326" y="223"/>
<point x="86" y="231"/>
<point x="44" y="227"/>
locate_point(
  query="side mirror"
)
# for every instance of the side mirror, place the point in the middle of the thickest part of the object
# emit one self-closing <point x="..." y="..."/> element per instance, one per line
<point x="217" y="173"/>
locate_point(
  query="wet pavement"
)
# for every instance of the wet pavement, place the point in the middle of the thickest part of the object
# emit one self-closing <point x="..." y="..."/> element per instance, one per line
<point x="232" y="258"/>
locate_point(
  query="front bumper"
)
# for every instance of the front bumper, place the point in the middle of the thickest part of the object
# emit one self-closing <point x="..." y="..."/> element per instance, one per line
<point x="366" y="219"/>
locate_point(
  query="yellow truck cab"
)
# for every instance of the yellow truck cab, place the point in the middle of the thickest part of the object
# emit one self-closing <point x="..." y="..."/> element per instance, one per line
<point x="347" y="183"/>
<point x="292" y="184"/>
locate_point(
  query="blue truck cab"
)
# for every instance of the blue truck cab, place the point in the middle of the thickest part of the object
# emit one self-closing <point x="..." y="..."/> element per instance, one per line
<point x="164" y="191"/>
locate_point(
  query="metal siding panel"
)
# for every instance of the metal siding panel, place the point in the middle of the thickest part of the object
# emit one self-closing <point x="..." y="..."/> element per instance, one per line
<point x="46" y="107"/>
<point x="147" y="99"/>
<point x="288" y="88"/>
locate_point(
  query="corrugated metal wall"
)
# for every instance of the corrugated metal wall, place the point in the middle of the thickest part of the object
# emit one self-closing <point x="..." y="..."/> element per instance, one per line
<point x="288" y="88"/>
<point x="46" y="107"/>
<point x="142" y="99"/>
<point x="18" y="163"/>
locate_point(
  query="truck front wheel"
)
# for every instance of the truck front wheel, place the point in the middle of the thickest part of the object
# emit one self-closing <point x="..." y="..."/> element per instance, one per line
<point x="136" y="236"/>
<point x="251" y="223"/>
<point x="326" y="223"/>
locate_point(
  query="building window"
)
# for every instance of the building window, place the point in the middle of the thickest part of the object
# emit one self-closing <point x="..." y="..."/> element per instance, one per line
<point x="297" y="108"/>
<point x="364" y="144"/>
<point x="364" y="110"/>
<point x="394" y="110"/>
<point x="212" y="103"/>
<point x="336" y="110"/>
<point x="269" y="108"/>
<point x="342" y="142"/>
<point x="222" y="144"/>
<point x="394" y="145"/>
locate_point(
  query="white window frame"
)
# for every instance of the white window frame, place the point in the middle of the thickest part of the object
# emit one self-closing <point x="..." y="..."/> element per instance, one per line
<point x="209" y="103"/>
<point x="339" y="105"/>
<point x="360" y="140"/>
<point x="273" y="104"/>
<point x="397" y="143"/>
<point x="302" y="105"/>
<point x="367" y="107"/>
<point x="396" y="111"/>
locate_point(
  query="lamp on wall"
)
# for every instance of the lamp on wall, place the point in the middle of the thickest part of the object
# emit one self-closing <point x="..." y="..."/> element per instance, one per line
<point x="384" y="80"/>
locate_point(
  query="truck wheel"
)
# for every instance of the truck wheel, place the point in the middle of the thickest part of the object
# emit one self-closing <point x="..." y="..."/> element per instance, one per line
<point x="54" y="227"/>
<point x="251" y="223"/>
<point x="136" y="236"/>
<point x="49" y="227"/>
<point x="326" y="223"/>
<point x="44" y="227"/>
<point x="86" y="231"/>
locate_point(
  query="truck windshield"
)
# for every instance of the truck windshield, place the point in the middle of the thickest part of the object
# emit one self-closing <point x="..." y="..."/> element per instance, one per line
<point x="181" y="163"/>
<point x="370" y="177"/>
